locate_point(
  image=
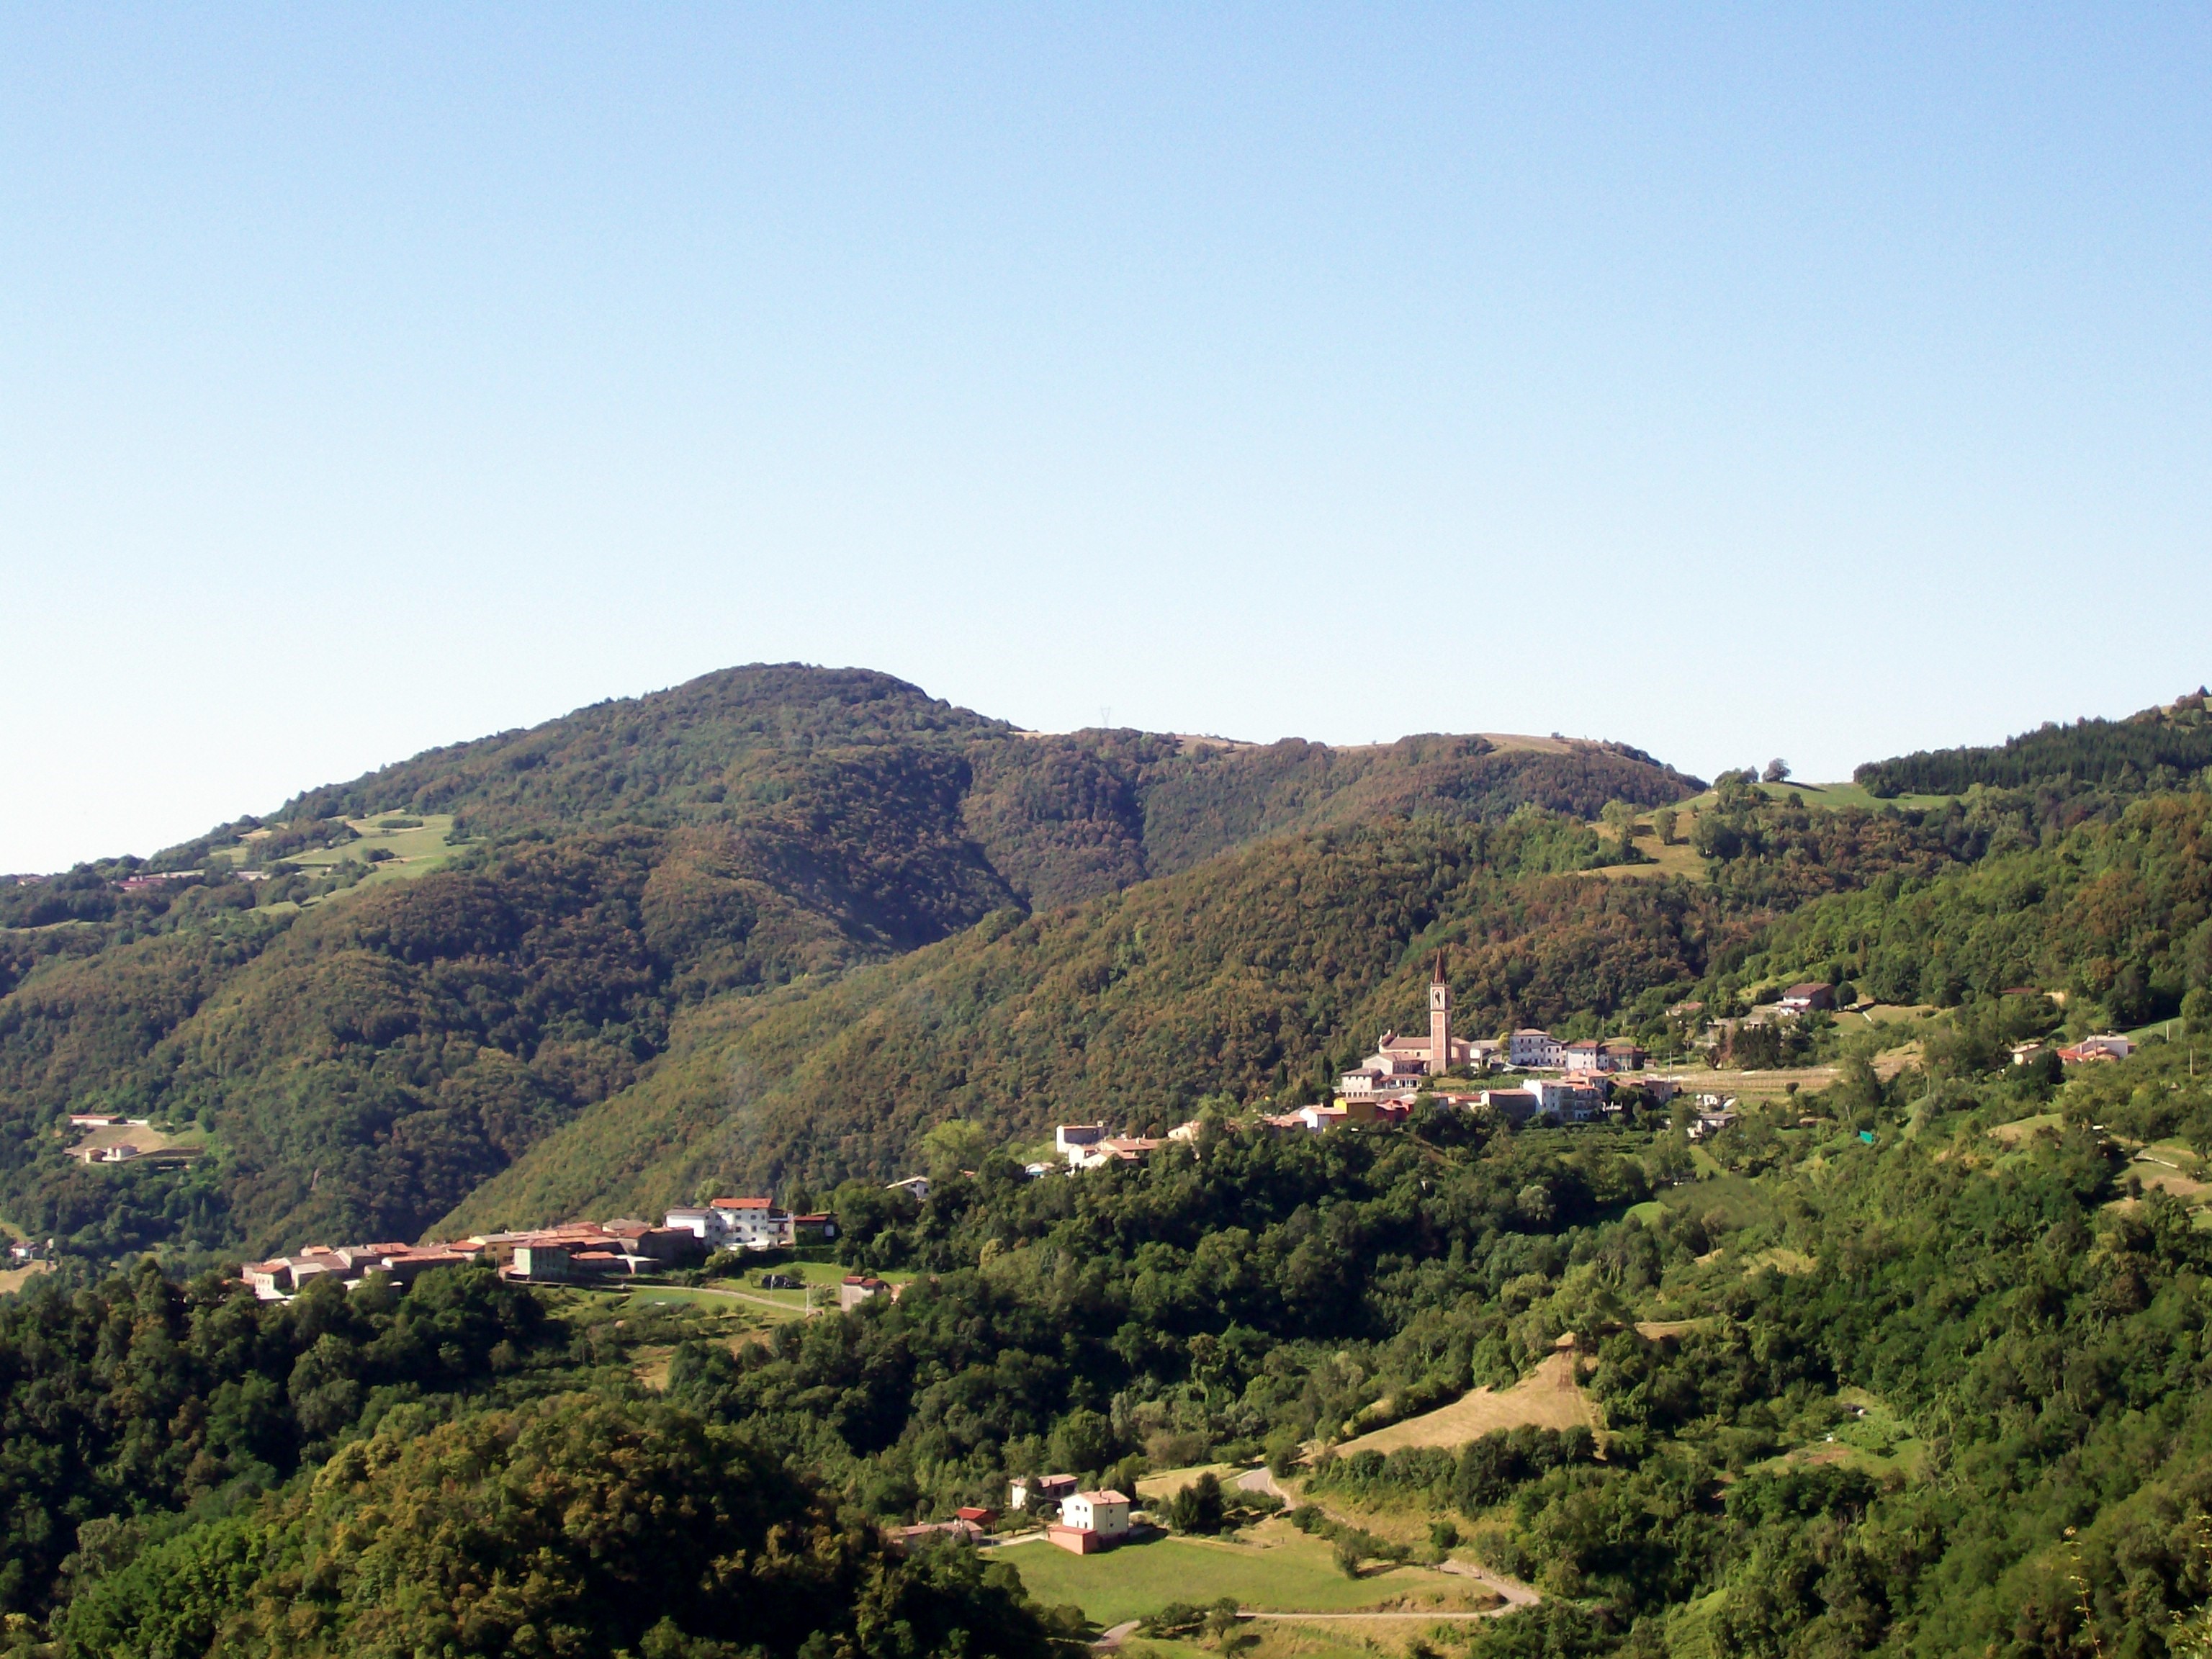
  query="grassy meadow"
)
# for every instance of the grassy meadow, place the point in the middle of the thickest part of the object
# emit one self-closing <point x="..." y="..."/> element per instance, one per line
<point x="1280" y="1569"/>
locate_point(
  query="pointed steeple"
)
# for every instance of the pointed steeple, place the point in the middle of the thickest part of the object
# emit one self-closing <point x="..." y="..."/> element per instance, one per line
<point x="1439" y="1021"/>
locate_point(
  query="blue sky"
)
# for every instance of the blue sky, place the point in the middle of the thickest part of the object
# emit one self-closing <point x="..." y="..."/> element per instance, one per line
<point x="1821" y="382"/>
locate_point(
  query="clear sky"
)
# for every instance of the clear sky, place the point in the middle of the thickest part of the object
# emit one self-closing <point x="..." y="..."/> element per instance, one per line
<point x="1821" y="382"/>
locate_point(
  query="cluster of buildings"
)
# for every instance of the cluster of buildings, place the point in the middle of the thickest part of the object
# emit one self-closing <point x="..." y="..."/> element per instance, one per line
<point x="1381" y="1089"/>
<point x="1401" y="1063"/>
<point x="574" y="1252"/>
<point x="284" y="1276"/>
<point x="1088" y="1522"/>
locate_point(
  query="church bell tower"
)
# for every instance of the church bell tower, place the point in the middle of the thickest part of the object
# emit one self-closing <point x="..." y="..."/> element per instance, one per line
<point x="1439" y="1021"/>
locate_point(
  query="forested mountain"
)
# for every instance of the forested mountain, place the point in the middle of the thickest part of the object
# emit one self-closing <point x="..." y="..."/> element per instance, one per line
<point x="2166" y="748"/>
<point x="863" y="767"/>
<point x="357" y="1068"/>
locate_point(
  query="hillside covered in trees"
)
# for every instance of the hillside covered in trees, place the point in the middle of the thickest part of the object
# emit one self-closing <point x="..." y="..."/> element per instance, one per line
<point x="1260" y="975"/>
<point x="2165" y="748"/>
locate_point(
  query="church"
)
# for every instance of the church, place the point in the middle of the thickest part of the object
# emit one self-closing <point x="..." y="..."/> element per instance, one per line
<point x="1398" y="1061"/>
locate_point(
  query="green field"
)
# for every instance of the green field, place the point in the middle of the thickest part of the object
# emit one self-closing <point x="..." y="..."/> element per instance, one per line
<point x="662" y="1296"/>
<point x="1290" y="1573"/>
<point x="413" y="852"/>
<point x="1831" y="795"/>
<point x="824" y="1276"/>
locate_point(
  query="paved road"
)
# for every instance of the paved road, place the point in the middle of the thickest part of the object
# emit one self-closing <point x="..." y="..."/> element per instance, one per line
<point x="1112" y="1637"/>
<point x="1516" y="1594"/>
<point x="1261" y="1479"/>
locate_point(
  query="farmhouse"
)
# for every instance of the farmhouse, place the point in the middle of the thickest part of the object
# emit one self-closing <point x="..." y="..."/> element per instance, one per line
<point x="856" y="1288"/>
<point x="737" y="1224"/>
<point x="1090" y="1521"/>
<point x="2104" y="1047"/>
<point x="1806" y="997"/>
<point x="127" y="1139"/>
<point x="1114" y="1149"/>
<point x="1073" y="1139"/>
<point x="1051" y="1488"/>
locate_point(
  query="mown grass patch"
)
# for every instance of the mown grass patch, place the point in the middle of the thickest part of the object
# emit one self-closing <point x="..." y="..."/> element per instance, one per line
<point x="1281" y="1570"/>
<point x="1168" y="1482"/>
<point x="1549" y="1397"/>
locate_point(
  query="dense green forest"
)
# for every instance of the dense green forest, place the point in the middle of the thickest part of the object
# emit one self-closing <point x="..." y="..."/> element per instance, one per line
<point x="456" y="1470"/>
<point x="2165" y="748"/>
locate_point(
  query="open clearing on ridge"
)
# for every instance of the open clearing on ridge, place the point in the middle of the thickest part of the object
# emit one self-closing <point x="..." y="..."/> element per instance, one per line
<point x="1548" y="1398"/>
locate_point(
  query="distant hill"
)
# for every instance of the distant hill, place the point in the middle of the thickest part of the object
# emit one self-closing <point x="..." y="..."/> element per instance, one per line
<point x="1049" y="819"/>
<point x="361" y="1066"/>
<point x="2158" y="748"/>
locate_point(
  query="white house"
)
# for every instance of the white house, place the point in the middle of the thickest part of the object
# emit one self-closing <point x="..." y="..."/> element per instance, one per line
<point x="736" y="1223"/>
<point x="1106" y="1514"/>
<point x="1570" y="1100"/>
<point x="1386" y="1071"/>
<point x="1055" y="1487"/>
<point x="914" y="1187"/>
<point x="1530" y="1047"/>
<point x="1073" y="1139"/>
<point x="1615" y="1054"/>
